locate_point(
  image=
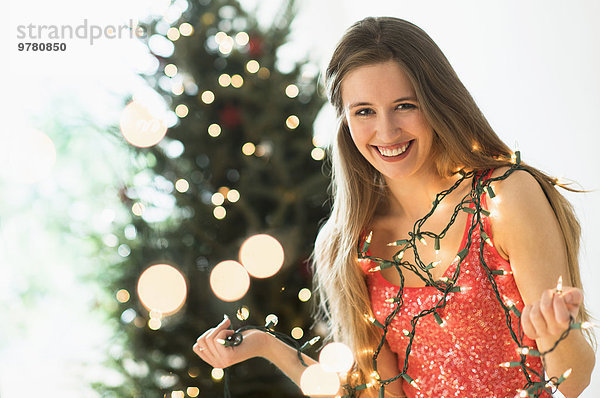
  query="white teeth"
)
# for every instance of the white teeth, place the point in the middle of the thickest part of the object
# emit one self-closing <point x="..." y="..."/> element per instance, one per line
<point x="393" y="152"/>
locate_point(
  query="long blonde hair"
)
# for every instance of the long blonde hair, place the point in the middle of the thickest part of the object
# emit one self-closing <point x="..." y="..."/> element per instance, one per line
<point x="358" y="189"/>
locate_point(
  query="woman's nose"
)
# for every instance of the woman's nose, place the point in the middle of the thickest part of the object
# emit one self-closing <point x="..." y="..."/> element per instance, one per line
<point x="388" y="128"/>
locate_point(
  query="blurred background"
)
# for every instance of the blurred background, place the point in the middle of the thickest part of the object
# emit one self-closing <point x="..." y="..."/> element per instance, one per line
<point x="141" y="160"/>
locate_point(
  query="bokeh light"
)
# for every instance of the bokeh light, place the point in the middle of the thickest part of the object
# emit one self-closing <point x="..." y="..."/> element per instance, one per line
<point x="173" y="34"/>
<point x="170" y="70"/>
<point x="217" y="199"/>
<point x="233" y="195"/>
<point x="304" y="294"/>
<point x="297" y="333"/>
<point x="217" y="374"/>
<point x="229" y="280"/>
<point x="182" y="185"/>
<point x="224" y="80"/>
<point x="252" y="66"/>
<point x="248" y="148"/>
<point x="237" y="81"/>
<point x="193" y="391"/>
<point x="219" y="212"/>
<point x="315" y="381"/>
<point x="292" y="122"/>
<point x="336" y="357"/>
<point x="242" y="38"/>
<point x="317" y="153"/>
<point x="262" y="255"/>
<point x="214" y="130"/>
<point x="140" y="127"/>
<point x="292" y="91"/>
<point x="138" y="208"/>
<point x="177" y="394"/>
<point x="162" y="288"/>
<point x="264" y="73"/>
<point x="181" y="110"/>
<point x="154" y="323"/>
<point x="122" y="296"/>
<point x="186" y="29"/>
<point x="207" y="97"/>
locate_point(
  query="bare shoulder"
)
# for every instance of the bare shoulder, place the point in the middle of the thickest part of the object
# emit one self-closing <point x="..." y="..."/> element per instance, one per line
<point x="521" y="207"/>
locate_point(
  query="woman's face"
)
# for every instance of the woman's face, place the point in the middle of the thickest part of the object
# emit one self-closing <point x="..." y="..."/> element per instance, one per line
<point x="385" y="120"/>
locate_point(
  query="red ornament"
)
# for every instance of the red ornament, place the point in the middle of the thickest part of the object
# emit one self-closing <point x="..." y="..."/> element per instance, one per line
<point x="255" y="47"/>
<point x="230" y="116"/>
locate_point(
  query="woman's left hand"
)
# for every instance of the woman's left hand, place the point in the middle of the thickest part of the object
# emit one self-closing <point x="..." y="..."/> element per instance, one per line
<point x="549" y="317"/>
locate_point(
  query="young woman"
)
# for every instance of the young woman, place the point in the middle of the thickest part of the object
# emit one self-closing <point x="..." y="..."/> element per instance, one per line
<point x="408" y="131"/>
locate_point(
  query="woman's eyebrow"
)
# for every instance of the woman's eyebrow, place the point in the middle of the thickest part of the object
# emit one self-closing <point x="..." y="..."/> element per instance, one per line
<point x="401" y="99"/>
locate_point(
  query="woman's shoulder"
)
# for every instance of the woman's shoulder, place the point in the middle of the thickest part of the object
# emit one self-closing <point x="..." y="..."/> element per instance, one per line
<point x="519" y="188"/>
<point x="519" y="207"/>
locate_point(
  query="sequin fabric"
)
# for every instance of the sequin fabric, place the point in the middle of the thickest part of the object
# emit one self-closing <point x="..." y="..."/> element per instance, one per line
<point x="461" y="358"/>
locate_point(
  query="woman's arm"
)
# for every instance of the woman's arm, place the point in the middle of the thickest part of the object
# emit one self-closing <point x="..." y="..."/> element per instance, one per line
<point x="260" y="344"/>
<point x="526" y="231"/>
<point x="256" y="343"/>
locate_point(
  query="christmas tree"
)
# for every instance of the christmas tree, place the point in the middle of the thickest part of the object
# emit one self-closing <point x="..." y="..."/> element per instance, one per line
<point x="239" y="160"/>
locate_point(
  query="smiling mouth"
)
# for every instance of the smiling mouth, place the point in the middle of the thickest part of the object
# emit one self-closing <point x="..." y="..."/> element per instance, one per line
<point x="394" y="150"/>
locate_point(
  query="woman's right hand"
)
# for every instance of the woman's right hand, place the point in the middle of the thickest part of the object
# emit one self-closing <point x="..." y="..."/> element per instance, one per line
<point x="217" y="355"/>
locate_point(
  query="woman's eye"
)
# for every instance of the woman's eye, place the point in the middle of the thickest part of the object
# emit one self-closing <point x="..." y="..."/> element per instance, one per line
<point x="406" y="106"/>
<point x="364" y="112"/>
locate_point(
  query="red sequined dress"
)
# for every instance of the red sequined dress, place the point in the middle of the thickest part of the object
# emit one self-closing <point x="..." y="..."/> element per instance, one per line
<point x="462" y="357"/>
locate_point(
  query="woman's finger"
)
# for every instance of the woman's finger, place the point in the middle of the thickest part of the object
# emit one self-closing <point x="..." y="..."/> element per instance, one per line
<point x="526" y="324"/>
<point x="561" y="312"/>
<point x="537" y="319"/>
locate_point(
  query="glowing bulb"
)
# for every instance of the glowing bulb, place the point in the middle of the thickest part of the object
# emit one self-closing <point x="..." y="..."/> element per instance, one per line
<point x="559" y="285"/>
<point x="292" y="91"/>
<point x="252" y="66"/>
<point x="162" y="288"/>
<point x="186" y="29"/>
<point x="317" y="154"/>
<point x="170" y="70"/>
<point x="243" y="313"/>
<point x="237" y="81"/>
<point x="122" y="296"/>
<point x="207" y="97"/>
<point x="271" y="319"/>
<point x="292" y="122"/>
<point x="154" y="323"/>
<point x="242" y="38"/>
<point x="217" y="374"/>
<point x="182" y="185"/>
<point x="304" y="294"/>
<point x="422" y="240"/>
<point x="336" y="357"/>
<point x="233" y="195"/>
<point x="262" y="255"/>
<point x="316" y="381"/>
<point x="140" y="127"/>
<point x="214" y="130"/>
<point x="220" y="37"/>
<point x="217" y="199"/>
<point x="229" y="280"/>
<point x="248" y="148"/>
<point x="219" y="212"/>
<point x="173" y="34"/>
<point x="181" y="110"/>
<point x="297" y="333"/>
<point x="224" y="80"/>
